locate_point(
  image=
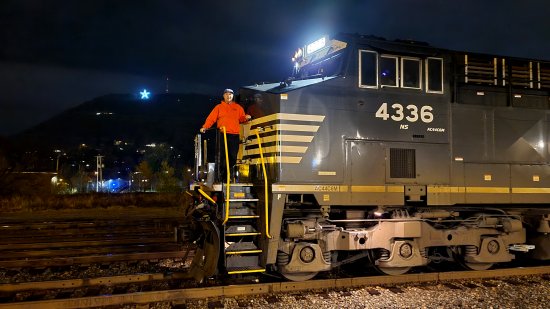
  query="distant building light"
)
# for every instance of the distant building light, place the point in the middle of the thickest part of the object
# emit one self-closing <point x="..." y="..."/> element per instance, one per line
<point x="145" y="94"/>
<point x="152" y="145"/>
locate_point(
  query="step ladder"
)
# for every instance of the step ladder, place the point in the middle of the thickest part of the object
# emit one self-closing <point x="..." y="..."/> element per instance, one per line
<point x="242" y="231"/>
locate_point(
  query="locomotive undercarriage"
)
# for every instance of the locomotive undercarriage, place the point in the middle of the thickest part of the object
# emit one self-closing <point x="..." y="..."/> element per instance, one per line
<point x="394" y="241"/>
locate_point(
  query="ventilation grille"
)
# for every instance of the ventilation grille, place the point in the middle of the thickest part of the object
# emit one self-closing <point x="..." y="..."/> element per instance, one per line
<point x="402" y="163"/>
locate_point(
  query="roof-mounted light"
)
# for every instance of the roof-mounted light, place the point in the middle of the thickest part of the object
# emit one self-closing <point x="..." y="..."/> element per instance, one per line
<point x="315" y="46"/>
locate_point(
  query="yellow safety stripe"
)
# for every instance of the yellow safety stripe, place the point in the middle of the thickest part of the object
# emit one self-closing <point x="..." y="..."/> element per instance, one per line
<point x="282" y="138"/>
<point x="401" y="189"/>
<point x="243" y="217"/>
<point x="277" y="149"/>
<point x="245" y="271"/>
<point x="485" y="190"/>
<point x="243" y="234"/>
<point x="243" y="252"/>
<point x="285" y="116"/>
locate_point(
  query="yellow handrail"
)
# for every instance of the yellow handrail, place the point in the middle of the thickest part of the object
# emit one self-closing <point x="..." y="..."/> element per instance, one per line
<point x="228" y="177"/>
<point x="265" y="185"/>
<point x="206" y="196"/>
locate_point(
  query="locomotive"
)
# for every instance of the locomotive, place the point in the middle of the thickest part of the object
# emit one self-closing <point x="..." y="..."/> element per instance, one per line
<point x="385" y="154"/>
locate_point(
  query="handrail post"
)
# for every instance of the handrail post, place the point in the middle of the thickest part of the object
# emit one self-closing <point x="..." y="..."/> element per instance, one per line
<point x="228" y="177"/>
<point x="265" y="185"/>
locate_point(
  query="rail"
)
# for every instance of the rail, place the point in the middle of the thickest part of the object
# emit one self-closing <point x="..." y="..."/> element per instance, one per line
<point x="265" y="185"/>
<point x="266" y="288"/>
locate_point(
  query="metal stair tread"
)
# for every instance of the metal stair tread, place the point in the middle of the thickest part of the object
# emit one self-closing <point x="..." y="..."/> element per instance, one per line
<point x="243" y="211"/>
<point x="242" y="200"/>
<point x="238" y="184"/>
<point x="240" y="229"/>
<point x="243" y="247"/>
<point x="243" y="217"/>
<point x="245" y="269"/>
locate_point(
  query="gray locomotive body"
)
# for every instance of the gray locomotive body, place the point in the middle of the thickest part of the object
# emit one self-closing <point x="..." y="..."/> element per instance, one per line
<point x="396" y="154"/>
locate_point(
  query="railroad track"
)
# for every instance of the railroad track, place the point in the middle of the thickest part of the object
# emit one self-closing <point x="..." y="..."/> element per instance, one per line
<point x="276" y="288"/>
<point x="70" y="241"/>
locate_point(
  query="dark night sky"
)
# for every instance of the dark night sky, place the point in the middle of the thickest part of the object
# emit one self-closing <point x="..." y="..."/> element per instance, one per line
<point x="57" y="54"/>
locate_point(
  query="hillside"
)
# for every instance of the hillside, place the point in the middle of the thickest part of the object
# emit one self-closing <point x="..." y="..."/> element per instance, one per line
<point x="165" y="118"/>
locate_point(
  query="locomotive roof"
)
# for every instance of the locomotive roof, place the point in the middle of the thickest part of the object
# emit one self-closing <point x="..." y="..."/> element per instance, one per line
<point x="387" y="46"/>
<point x="405" y="46"/>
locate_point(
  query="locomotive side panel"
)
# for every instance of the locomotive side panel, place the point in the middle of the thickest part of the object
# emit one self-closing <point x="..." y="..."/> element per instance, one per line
<point x="385" y="173"/>
<point x="500" y="154"/>
<point x="530" y="183"/>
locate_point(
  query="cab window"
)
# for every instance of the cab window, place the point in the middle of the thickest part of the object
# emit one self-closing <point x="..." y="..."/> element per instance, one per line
<point x="388" y="71"/>
<point x="410" y="73"/>
<point x="434" y="75"/>
<point x="368" y="64"/>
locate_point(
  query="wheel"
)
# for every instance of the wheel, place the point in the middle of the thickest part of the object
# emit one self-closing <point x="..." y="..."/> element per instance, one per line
<point x="375" y="255"/>
<point x="459" y="254"/>
<point x="392" y="271"/>
<point x="476" y="266"/>
<point x="299" y="276"/>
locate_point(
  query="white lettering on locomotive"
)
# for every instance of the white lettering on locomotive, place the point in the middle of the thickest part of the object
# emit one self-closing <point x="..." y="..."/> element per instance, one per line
<point x="411" y="113"/>
<point x="330" y="188"/>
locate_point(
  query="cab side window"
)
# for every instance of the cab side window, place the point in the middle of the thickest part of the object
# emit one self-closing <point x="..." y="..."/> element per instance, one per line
<point x="434" y="75"/>
<point x="406" y="72"/>
<point x="368" y="69"/>
<point x="410" y="73"/>
<point x="388" y="71"/>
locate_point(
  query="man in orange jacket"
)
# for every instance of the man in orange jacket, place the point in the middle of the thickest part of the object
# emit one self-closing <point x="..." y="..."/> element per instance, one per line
<point x="227" y="114"/>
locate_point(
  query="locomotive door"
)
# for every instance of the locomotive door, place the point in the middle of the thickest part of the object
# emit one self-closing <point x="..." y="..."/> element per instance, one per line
<point x="366" y="174"/>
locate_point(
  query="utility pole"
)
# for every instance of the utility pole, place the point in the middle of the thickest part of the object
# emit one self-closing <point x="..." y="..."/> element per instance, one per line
<point x="57" y="163"/>
<point x="99" y="171"/>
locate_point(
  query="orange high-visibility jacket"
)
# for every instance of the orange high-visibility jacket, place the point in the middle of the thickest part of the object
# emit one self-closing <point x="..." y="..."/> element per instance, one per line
<point x="226" y="115"/>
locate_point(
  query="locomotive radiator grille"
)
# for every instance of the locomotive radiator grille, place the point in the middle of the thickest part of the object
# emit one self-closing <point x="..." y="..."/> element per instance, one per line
<point x="402" y="163"/>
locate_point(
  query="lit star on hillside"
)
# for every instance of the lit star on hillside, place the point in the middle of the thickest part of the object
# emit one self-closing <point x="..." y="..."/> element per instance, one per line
<point x="145" y="94"/>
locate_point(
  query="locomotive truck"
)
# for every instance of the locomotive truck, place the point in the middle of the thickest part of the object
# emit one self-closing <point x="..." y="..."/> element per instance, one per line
<point x="389" y="154"/>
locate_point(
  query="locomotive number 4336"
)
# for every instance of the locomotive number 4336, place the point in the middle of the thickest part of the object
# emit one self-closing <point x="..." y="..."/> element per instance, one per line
<point x="410" y="113"/>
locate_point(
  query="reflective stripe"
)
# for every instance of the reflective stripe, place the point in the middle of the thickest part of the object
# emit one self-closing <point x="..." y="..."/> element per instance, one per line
<point x="271" y="160"/>
<point x="531" y="190"/>
<point x="243" y="252"/>
<point x="285" y="116"/>
<point x="378" y="189"/>
<point x="295" y="127"/>
<point x="283" y="138"/>
<point x="245" y="271"/>
<point x="310" y="188"/>
<point x="493" y="190"/>
<point x="277" y="149"/>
